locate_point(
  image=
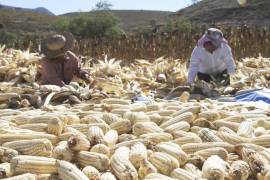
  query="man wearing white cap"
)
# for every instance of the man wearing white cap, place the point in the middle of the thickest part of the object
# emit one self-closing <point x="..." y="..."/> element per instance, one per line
<point x="211" y="59"/>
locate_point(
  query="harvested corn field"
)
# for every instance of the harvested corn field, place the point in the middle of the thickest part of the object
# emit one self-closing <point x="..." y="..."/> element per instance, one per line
<point x="107" y="132"/>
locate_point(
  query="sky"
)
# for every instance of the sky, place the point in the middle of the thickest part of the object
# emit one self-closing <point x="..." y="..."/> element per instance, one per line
<point x="64" y="6"/>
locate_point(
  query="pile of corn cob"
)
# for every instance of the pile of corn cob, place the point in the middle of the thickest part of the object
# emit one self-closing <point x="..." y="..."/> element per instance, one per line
<point x="120" y="140"/>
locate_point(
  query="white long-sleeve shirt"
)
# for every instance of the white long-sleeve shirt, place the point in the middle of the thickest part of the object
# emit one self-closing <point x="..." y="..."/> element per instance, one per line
<point x="205" y="62"/>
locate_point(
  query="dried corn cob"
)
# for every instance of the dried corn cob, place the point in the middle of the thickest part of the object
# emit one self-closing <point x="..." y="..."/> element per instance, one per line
<point x="78" y="143"/>
<point x="33" y="164"/>
<point x="55" y="126"/>
<point x="111" y="138"/>
<point x="6" y="154"/>
<point x="178" y="134"/>
<point x="261" y="140"/>
<point x="121" y="166"/>
<point x="166" y="112"/>
<point x="141" y="128"/>
<point x="135" y="117"/>
<point x="38" y="127"/>
<point x="126" y="137"/>
<point x="233" y="139"/>
<point x="259" y="131"/>
<point x="90" y="119"/>
<point x="99" y="161"/>
<point x="232" y="125"/>
<point x="95" y="135"/>
<point x="137" y="154"/>
<point x="146" y="168"/>
<point x="123" y="126"/>
<point x="193" y="169"/>
<point x="239" y="170"/>
<point x="84" y="128"/>
<point x="68" y="171"/>
<point x="214" y="168"/>
<point x="182" y="174"/>
<point x="208" y="136"/>
<point x="5" y="170"/>
<point x="188" y="117"/>
<point x="235" y="118"/>
<point x="165" y="163"/>
<point x="35" y="147"/>
<point x="193" y="147"/>
<point x="203" y="123"/>
<point x="206" y="153"/>
<point x="184" y="126"/>
<point x="227" y="130"/>
<point x="26" y="136"/>
<point x="153" y="107"/>
<point x="116" y="101"/>
<point x="192" y="109"/>
<point x="127" y="144"/>
<point x="91" y="172"/>
<point x="245" y="129"/>
<point x="184" y="140"/>
<point x="107" y="176"/>
<point x="173" y="150"/>
<point x="101" y="148"/>
<point x="62" y="152"/>
<point x="263" y="123"/>
<point x="26" y="176"/>
<point x="110" y="118"/>
<point x="151" y="139"/>
<point x="157" y="176"/>
<point x="210" y="115"/>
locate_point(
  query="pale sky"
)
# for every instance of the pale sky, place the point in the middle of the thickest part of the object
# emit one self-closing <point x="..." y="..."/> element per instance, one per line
<point x="64" y="6"/>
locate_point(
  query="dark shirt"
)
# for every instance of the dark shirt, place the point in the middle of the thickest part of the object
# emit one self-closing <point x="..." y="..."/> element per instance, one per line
<point x="60" y="71"/>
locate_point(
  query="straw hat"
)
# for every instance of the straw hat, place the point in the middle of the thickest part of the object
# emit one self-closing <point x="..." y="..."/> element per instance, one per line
<point x="55" y="45"/>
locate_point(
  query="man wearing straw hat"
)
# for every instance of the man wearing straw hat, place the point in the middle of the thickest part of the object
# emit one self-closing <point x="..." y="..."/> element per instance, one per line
<point x="212" y="59"/>
<point x="60" y="65"/>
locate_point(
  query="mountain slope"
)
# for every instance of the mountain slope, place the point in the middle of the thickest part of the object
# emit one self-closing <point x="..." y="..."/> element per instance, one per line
<point x="40" y="10"/>
<point x="228" y="12"/>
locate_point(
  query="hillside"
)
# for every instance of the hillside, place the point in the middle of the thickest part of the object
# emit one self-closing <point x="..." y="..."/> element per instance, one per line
<point x="40" y="10"/>
<point x="135" y="19"/>
<point x="227" y="12"/>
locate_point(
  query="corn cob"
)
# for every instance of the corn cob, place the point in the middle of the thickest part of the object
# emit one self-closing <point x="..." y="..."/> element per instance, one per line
<point x="214" y="168"/>
<point x="47" y="177"/>
<point x="121" y="166"/>
<point x="261" y="140"/>
<point x="91" y="172"/>
<point x="196" y="160"/>
<point x="126" y="137"/>
<point x="263" y="123"/>
<point x="192" y="109"/>
<point x="78" y="143"/>
<point x="119" y="111"/>
<point x="250" y="146"/>
<point x="256" y="162"/>
<point x="232" y="125"/>
<point x="73" y="131"/>
<point x="90" y="119"/>
<point x="201" y="122"/>
<point x="122" y="127"/>
<point x="84" y="128"/>
<point x="157" y="176"/>
<point x="44" y="119"/>
<point x="266" y="154"/>
<point x="206" y="153"/>
<point x="193" y="147"/>
<point x="156" y="118"/>
<point x="146" y="168"/>
<point x="165" y="163"/>
<point x="182" y="174"/>
<point x="184" y="97"/>
<point x="101" y="148"/>
<point x="26" y="176"/>
<point x="173" y="150"/>
<point x="95" y="135"/>
<point x="245" y="129"/>
<point x="38" y="127"/>
<point x="151" y="139"/>
<point x="71" y="119"/>
<point x="137" y="154"/>
<point x="26" y="136"/>
<point x="195" y="129"/>
<point x="110" y="118"/>
<point x="207" y="135"/>
<point x="210" y="115"/>
<point x="184" y="126"/>
<point x="193" y="169"/>
<point x="239" y="170"/>
<point x="62" y="152"/>
<point x="166" y="112"/>
<point x="127" y="144"/>
<point x="111" y="138"/>
<point x="99" y="161"/>
<point x="184" y="140"/>
<point x="180" y="133"/>
<point x="68" y="171"/>
<point x="55" y="126"/>
<point x="188" y="117"/>
<point x="6" y="154"/>
<point x="137" y="107"/>
<point x="233" y="157"/>
<point x="107" y="176"/>
<point x="33" y="164"/>
<point x="141" y="128"/>
<point x="174" y="108"/>
<point x="153" y="107"/>
<point x="116" y="101"/>
<point x="35" y="147"/>
<point x="5" y="170"/>
<point x="259" y="131"/>
<point x="227" y="130"/>
<point x="233" y="139"/>
<point x="135" y="117"/>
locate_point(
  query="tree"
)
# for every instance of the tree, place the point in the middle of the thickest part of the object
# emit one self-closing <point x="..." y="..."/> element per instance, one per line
<point x="103" y="5"/>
